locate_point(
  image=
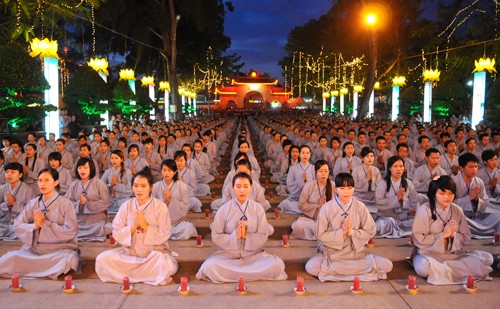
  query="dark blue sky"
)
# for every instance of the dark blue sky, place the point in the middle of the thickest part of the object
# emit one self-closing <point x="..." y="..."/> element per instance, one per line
<point x="258" y="29"/>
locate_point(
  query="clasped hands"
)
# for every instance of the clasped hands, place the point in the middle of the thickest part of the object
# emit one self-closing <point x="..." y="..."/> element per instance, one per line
<point x="346" y="227"/>
<point x="140" y="223"/>
<point x="38" y="219"/>
<point x="241" y="230"/>
<point x="450" y="229"/>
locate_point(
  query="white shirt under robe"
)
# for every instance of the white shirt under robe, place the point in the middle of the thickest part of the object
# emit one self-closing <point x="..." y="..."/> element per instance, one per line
<point x="294" y="184"/>
<point x="241" y="257"/>
<point x="23" y="194"/>
<point x="178" y="208"/>
<point x="122" y="191"/>
<point x="144" y="255"/>
<point x="310" y="197"/>
<point x="92" y="216"/>
<point x="49" y="251"/>
<point x="451" y="263"/>
<point x="482" y="223"/>
<point x="395" y="218"/>
<point x="343" y="257"/>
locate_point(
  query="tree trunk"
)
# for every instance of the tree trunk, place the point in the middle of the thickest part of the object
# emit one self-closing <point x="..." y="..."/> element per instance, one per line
<point x="370" y="82"/>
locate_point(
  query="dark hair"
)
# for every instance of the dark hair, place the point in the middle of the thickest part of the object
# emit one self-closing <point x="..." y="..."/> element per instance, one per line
<point x="55" y="156"/>
<point x="243" y="142"/>
<point x="123" y="140"/>
<point x="2" y="156"/>
<point x="239" y="156"/>
<point x="242" y="175"/>
<point x="467" y="141"/>
<point x="466" y="158"/>
<point x="402" y="145"/>
<point x="242" y="162"/>
<point x="132" y="146"/>
<point x="88" y="148"/>
<point x="290" y="156"/>
<point x="18" y="142"/>
<point x="443" y="183"/>
<point x="82" y="162"/>
<point x="148" y="140"/>
<point x="15" y="166"/>
<point x="488" y="154"/>
<point x="328" y="188"/>
<point x="171" y="166"/>
<point x="343" y="179"/>
<point x="285" y="143"/>
<point x="366" y="151"/>
<point x="343" y="148"/>
<point x="379" y="138"/>
<point x="390" y="163"/>
<point x="34" y="157"/>
<point x="119" y="153"/>
<point x="448" y="142"/>
<point x="105" y="141"/>
<point x="145" y="173"/>
<point x="422" y="137"/>
<point x="180" y="153"/>
<point x="61" y="140"/>
<point x="430" y="151"/>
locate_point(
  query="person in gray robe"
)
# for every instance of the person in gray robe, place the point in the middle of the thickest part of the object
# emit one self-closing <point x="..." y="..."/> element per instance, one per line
<point x="440" y="234"/>
<point x="343" y="229"/>
<point x="32" y="166"/>
<point x="65" y="178"/>
<point x="175" y="194"/>
<point x="240" y="231"/>
<point x="490" y="175"/>
<point x="202" y="175"/>
<point x="118" y="179"/>
<point x="48" y="229"/>
<point x="472" y="197"/>
<point x="348" y="161"/>
<point x="366" y="177"/>
<point x="142" y="226"/>
<point x="189" y="178"/>
<point x="396" y="200"/>
<point x="153" y="158"/>
<point x="135" y="163"/>
<point x="426" y="172"/>
<point x="14" y="195"/>
<point x="91" y="200"/>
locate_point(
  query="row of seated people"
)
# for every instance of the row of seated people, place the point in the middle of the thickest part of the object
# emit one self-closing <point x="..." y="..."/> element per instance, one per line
<point x="48" y="228"/>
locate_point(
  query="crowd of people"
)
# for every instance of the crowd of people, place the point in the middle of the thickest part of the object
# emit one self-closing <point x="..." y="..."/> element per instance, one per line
<point x="347" y="181"/>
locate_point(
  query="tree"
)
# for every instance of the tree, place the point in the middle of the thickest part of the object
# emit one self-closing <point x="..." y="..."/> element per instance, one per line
<point x="21" y="87"/>
<point x="122" y="95"/>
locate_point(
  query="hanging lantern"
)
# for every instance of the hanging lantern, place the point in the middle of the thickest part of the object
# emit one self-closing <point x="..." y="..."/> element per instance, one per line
<point x="399" y="81"/>
<point x="326" y="95"/>
<point x="431" y="75"/>
<point x="334" y="93"/>
<point x="44" y="48"/>
<point x="127" y="74"/>
<point x="182" y="91"/>
<point x="99" y="65"/>
<point x="485" y="64"/>
<point x="164" y="86"/>
<point x="147" y="81"/>
<point x="376" y="86"/>
<point x="344" y="91"/>
<point x="358" y="88"/>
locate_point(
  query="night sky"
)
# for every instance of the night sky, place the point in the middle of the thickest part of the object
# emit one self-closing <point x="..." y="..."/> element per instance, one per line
<point x="258" y="29"/>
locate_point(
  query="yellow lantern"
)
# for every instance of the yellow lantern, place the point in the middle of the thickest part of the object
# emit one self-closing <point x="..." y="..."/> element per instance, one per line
<point x="127" y="74"/>
<point x="182" y="91"/>
<point x="326" y="95"/>
<point x="334" y="93"/>
<point x="376" y="86"/>
<point x="44" y="48"/>
<point x="344" y="90"/>
<point x="99" y="65"/>
<point x="358" y="88"/>
<point x="485" y="64"/>
<point x="431" y="75"/>
<point x="147" y="81"/>
<point x="399" y="81"/>
<point x="164" y="86"/>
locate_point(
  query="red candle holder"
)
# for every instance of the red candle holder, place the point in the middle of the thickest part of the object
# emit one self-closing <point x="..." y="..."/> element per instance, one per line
<point x="285" y="243"/>
<point x="126" y="289"/>
<point x="184" y="287"/>
<point x="497" y="239"/>
<point x="267" y="183"/>
<point x="241" y="288"/>
<point x="470" y="287"/>
<point x="412" y="286"/>
<point x="199" y="241"/>
<point x="371" y="243"/>
<point x="299" y="288"/>
<point x="207" y="213"/>
<point x="15" y="285"/>
<point x="213" y="195"/>
<point x="356" y="287"/>
<point x="276" y="213"/>
<point x="271" y="195"/>
<point x="68" y="287"/>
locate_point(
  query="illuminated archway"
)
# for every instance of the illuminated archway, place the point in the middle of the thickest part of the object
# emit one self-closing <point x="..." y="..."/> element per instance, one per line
<point x="253" y="99"/>
<point x="231" y="104"/>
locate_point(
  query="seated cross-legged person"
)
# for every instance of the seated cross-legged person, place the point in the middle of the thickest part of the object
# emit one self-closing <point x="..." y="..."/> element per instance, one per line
<point x="344" y="227"/>
<point x="142" y="226"/>
<point x="240" y="231"/>
<point x="48" y="229"/>
<point x="440" y="234"/>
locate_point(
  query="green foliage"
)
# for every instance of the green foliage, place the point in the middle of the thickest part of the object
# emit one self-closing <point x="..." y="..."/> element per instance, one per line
<point x="492" y="106"/>
<point x="448" y="97"/>
<point x="410" y="101"/>
<point x="21" y="87"/>
<point x="122" y="95"/>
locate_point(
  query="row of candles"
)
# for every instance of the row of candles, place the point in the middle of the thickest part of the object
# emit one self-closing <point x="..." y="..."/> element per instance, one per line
<point x="241" y="288"/>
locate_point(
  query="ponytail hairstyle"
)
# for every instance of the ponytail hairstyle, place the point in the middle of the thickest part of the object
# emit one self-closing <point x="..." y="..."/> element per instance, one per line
<point x="240" y="156"/>
<point x="18" y="143"/>
<point x="443" y="183"/>
<point x="34" y="158"/>
<point x="122" y="164"/>
<point x="390" y="163"/>
<point x="171" y="166"/>
<point x="328" y="188"/>
<point x="290" y="156"/>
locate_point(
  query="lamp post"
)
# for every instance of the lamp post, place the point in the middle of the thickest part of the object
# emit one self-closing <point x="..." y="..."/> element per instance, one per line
<point x="149" y="81"/>
<point x="357" y="90"/>
<point x="325" y="95"/>
<point x="484" y="64"/>
<point x="47" y="51"/>
<point x="333" y="94"/>
<point x="129" y="76"/>
<point x="100" y="65"/>
<point x="165" y="86"/>
<point x="430" y="76"/>
<point x="343" y="91"/>
<point x="397" y="81"/>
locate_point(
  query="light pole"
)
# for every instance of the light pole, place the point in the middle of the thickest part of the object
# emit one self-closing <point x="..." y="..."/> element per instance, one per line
<point x="371" y="21"/>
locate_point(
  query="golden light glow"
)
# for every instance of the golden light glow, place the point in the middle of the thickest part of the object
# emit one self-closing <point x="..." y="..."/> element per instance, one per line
<point x="431" y="75"/>
<point x="225" y="92"/>
<point x="326" y="95"/>
<point x="99" y="65"/>
<point x="344" y="90"/>
<point x="358" y="88"/>
<point x="371" y="19"/>
<point x="233" y="82"/>
<point x="485" y="64"/>
<point x="254" y="86"/>
<point x="127" y="74"/>
<point x="282" y="93"/>
<point x="164" y="86"/>
<point x="44" y="48"/>
<point x="376" y="86"/>
<point x="254" y="74"/>
<point x="399" y="81"/>
<point x="334" y="93"/>
<point x="182" y="91"/>
<point x="147" y="81"/>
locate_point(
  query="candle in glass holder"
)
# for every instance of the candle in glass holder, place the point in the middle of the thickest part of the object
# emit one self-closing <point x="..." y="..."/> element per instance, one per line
<point x="68" y="282"/>
<point x="241" y="284"/>
<point x="285" y="240"/>
<point x="126" y="283"/>
<point x="411" y="282"/>
<point x="184" y="284"/>
<point x="198" y="240"/>
<point x="300" y="284"/>
<point x="15" y="281"/>
<point x="207" y="213"/>
<point x="356" y="286"/>
<point x="470" y="282"/>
